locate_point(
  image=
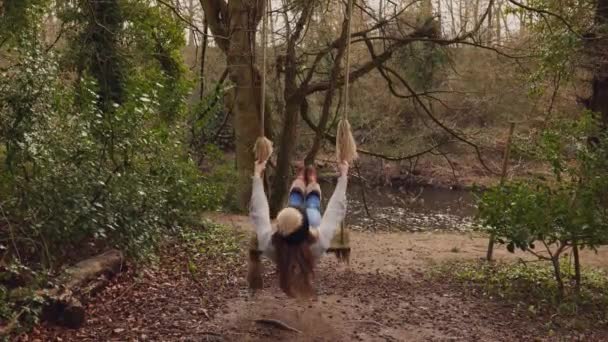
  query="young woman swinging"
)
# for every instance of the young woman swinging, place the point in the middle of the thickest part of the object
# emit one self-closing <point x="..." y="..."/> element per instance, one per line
<point x="300" y="235"/>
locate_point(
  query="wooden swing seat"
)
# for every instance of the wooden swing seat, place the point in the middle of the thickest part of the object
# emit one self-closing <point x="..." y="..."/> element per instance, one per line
<point x="340" y="244"/>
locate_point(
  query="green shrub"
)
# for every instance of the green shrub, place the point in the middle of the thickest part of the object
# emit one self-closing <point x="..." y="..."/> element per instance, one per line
<point x="20" y="304"/>
<point x="72" y="174"/>
<point x="533" y="284"/>
<point x="565" y="212"/>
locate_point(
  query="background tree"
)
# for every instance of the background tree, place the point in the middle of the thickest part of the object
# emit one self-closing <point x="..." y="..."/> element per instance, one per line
<point x="234" y="26"/>
<point x="303" y="67"/>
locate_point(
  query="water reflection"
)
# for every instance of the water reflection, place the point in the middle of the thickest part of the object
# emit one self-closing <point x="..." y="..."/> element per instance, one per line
<point x="415" y="209"/>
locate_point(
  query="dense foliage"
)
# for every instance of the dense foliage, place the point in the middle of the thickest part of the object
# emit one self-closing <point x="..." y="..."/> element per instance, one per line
<point x="568" y="210"/>
<point x="94" y="142"/>
<point x="86" y="160"/>
<point x="532" y="289"/>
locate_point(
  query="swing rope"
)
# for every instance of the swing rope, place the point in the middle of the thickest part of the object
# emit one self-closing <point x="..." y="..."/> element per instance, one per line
<point x="263" y="146"/>
<point x="346" y="147"/>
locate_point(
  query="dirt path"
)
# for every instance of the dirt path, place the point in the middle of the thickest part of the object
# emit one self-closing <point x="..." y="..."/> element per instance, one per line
<point x="382" y="296"/>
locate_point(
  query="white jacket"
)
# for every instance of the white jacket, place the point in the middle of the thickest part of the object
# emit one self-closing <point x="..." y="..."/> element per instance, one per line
<point x="259" y="212"/>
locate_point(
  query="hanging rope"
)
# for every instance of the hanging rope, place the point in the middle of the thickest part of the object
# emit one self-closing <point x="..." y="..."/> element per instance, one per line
<point x="263" y="146"/>
<point x="263" y="151"/>
<point x="346" y="147"/>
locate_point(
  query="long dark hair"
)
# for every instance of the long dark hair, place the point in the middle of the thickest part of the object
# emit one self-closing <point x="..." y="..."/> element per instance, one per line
<point x="295" y="265"/>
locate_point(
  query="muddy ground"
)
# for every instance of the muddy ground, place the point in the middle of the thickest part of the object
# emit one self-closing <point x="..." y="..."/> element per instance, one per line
<point x="385" y="294"/>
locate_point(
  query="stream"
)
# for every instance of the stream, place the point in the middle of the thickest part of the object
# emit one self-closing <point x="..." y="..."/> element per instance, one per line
<point x="416" y="209"/>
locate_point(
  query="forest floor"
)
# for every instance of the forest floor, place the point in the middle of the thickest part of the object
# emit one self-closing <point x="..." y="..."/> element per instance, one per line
<point x="385" y="294"/>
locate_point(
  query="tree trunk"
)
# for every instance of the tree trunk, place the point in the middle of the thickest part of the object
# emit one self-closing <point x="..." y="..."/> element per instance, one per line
<point x="203" y="60"/>
<point x="426" y="10"/>
<point x="461" y="19"/>
<point x="577" y="267"/>
<point x="103" y="62"/>
<point x="295" y="98"/>
<point x="246" y="127"/>
<point x="490" y="31"/>
<point x="599" y="98"/>
<point x="503" y="178"/>
<point x="498" y="17"/>
<point x="235" y="23"/>
<point x="558" y="276"/>
<point x="191" y="33"/>
<point x="476" y="13"/>
<point x="277" y="86"/>
<point x="451" y="9"/>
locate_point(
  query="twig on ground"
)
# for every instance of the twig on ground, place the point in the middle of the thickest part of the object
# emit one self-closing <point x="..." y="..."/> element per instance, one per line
<point x="277" y="324"/>
<point x="368" y="322"/>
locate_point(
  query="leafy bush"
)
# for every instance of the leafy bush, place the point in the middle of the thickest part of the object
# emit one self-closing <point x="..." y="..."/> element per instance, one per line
<point x="94" y="139"/>
<point x="20" y="305"/>
<point x="213" y="240"/>
<point x="567" y="211"/>
<point x="73" y="174"/>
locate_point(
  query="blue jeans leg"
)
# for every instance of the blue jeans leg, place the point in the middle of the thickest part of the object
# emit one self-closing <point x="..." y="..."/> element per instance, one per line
<point x="313" y="209"/>
<point x="296" y="199"/>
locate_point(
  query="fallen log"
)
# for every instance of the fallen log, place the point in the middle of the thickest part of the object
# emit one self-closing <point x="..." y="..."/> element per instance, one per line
<point x="65" y="302"/>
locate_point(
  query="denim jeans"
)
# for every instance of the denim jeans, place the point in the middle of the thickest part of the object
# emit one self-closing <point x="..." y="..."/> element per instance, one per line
<point x="312" y="202"/>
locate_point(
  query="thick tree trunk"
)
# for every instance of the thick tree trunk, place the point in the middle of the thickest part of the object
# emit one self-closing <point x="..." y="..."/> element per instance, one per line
<point x="599" y="98"/>
<point x="234" y="23"/>
<point x="105" y="22"/>
<point x="103" y="60"/>
<point x="244" y="75"/>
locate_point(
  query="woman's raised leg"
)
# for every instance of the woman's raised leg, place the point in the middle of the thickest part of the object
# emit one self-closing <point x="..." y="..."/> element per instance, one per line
<point x="298" y="188"/>
<point x="313" y="197"/>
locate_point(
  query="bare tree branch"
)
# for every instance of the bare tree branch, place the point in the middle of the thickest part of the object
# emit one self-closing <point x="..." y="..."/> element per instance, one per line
<point x="444" y="42"/>
<point x="186" y="21"/>
<point x="329" y="94"/>
<point x="543" y="12"/>
<point x="437" y="121"/>
<point x="427" y="30"/>
<point x="332" y="139"/>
